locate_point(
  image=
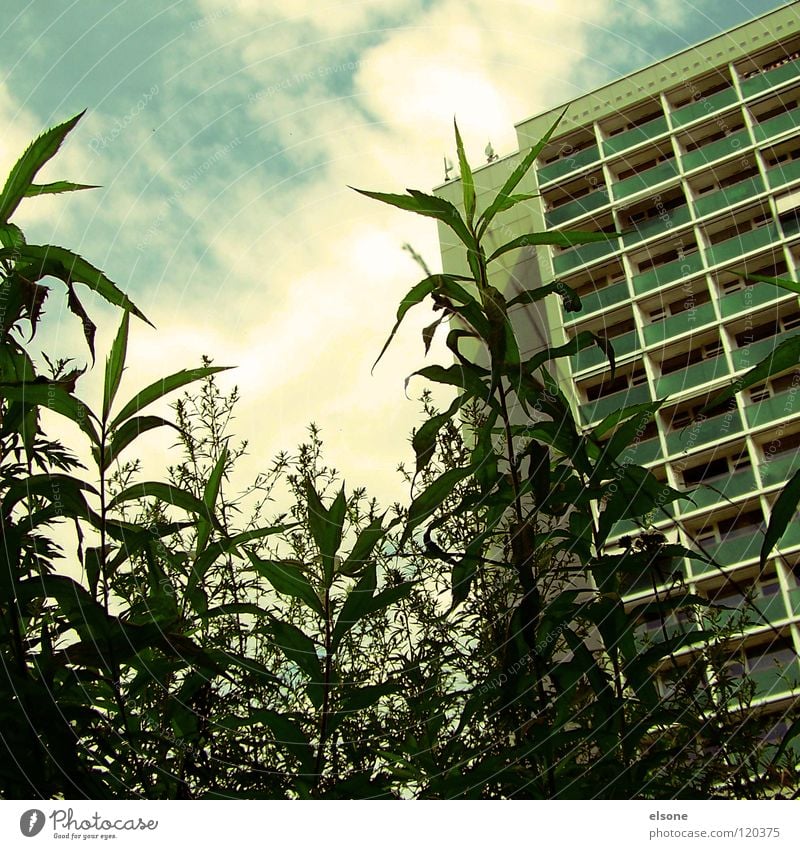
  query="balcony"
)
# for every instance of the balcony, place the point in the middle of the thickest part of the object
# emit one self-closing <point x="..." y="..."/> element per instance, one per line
<point x="755" y="352"/>
<point x="716" y="491"/>
<point x="704" y="106"/>
<point x="777" y="125"/>
<point x="636" y="135"/>
<point x="641" y="453"/>
<point x="752" y="296"/>
<point x="692" y="376"/>
<point x="568" y="164"/>
<point x="575" y="208"/>
<point x="779" y="468"/>
<point x="599" y="409"/>
<point x="783" y="173"/>
<point x="617" y="293"/>
<point x="769" y="79"/>
<point x="583" y="255"/>
<point x="645" y="180"/>
<point x="729" y="196"/>
<point x="627" y="343"/>
<point x="734" y="549"/>
<point x="773" y="682"/>
<point x="742" y="243"/>
<point x="667" y="273"/>
<point x="699" y="433"/>
<point x="658" y="225"/>
<point x="676" y="325"/>
<point x="778" y="407"/>
<point x="733" y="143"/>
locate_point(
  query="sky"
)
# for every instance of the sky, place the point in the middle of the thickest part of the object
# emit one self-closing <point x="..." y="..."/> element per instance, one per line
<point x="225" y="135"/>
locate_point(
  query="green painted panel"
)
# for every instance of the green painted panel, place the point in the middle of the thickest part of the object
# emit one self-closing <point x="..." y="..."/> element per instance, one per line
<point x="733" y="143"/>
<point x="636" y="135"/>
<point x="779" y="468"/>
<point x="742" y="243"/>
<point x="568" y="164"/>
<point x="583" y="255"/>
<point x="777" y="125"/>
<point x="751" y="296"/>
<point x="784" y="172"/>
<point x="655" y="226"/>
<point x="669" y="328"/>
<point x="588" y="357"/>
<point x="769" y="79"/>
<point x="729" y="196"/>
<point x="703" y="432"/>
<point x="579" y="206"/>
<point x="703" y="106"/>
<point x="645" y="180"/>
<point x="694" y="375"/>
<point x="602" y="298"/>
<point x="755" y="352"/>
<point x="716" y="491"/>
<point x="600" y="408"/>
<point x="667" y="273"/>
<point x="778" y="407"/>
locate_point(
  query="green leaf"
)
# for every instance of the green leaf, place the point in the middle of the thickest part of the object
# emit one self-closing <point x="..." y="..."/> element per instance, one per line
<point x="560" y="238"/>
<point x="126" y="433"/>
<point x="466" y="377"/>
<point x="531" y="296"/>
<point x="430" y="206"/>
<point x="22" y="174"/>
<point x="416" y="296"/>
<point x="785" y="356"/>
<point x="424" y="439"/>
<point x="423" y="506"/>
<point x="168" y="494"/>
<point x="56" y="188"/>
<point x="62" y="490"/>
<point x="361" y="602"/>
<point x="501" y="200"/>
<point x="11" y="236"/>
<point x="298" y="648"/>
<point x="163" y="387"/>
<point x="366" y="542"/>
<point x="288" y="579"/>
<point x="51" y="396"/>
<point x="115" y="363"/>
<point x="467" y="180"/>
<point x="326" y="526"/>
<point x="782" y="513"/>
<point x="288" y="734"/>
<point x="613" y="419"/>
<point x="210" y="495"/>
<point x="359" y="699"/>
<point x="53" y="261"/>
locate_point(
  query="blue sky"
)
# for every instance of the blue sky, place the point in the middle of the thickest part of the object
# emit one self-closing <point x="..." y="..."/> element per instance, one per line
<point x="225" y="134"/>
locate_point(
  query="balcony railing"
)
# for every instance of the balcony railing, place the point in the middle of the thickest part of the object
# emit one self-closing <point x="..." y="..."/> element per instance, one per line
<point x="752" y="296"/>
<point x="769" y="79"/>
<point x="742" y="243"/>
<point x="599" y="409"/>
<point x="617" y="293"/>
<point x="745" y="545"/>
<point x="729" y="196"/>
<point x="778" y="407"/>
<point x="717" y="491"/>
<point x="574" y="208"/>
<point x="783" y="172"/>
<point x="694" y="375"/>
<point x="568" y="164"/>
<point x="655" y="226"/>
<point x="755" y="352"/>
<point x="583" y="255"/>
<point x="675" y="325"/>
<point x="702" y="432"/>
<point x="645" y="180"/>
<point x="775" y="126"/>
<point x="636" y="135"/>
<point x="627" y="343"/>
<point x="779" y="468"/>
<point x="716" y="150"/>
<point x="667" y="273"/>
<point x="703" y="106"/>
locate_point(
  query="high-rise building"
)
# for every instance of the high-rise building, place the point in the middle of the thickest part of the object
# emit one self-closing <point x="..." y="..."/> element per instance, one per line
<point x="696" y="161"/>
